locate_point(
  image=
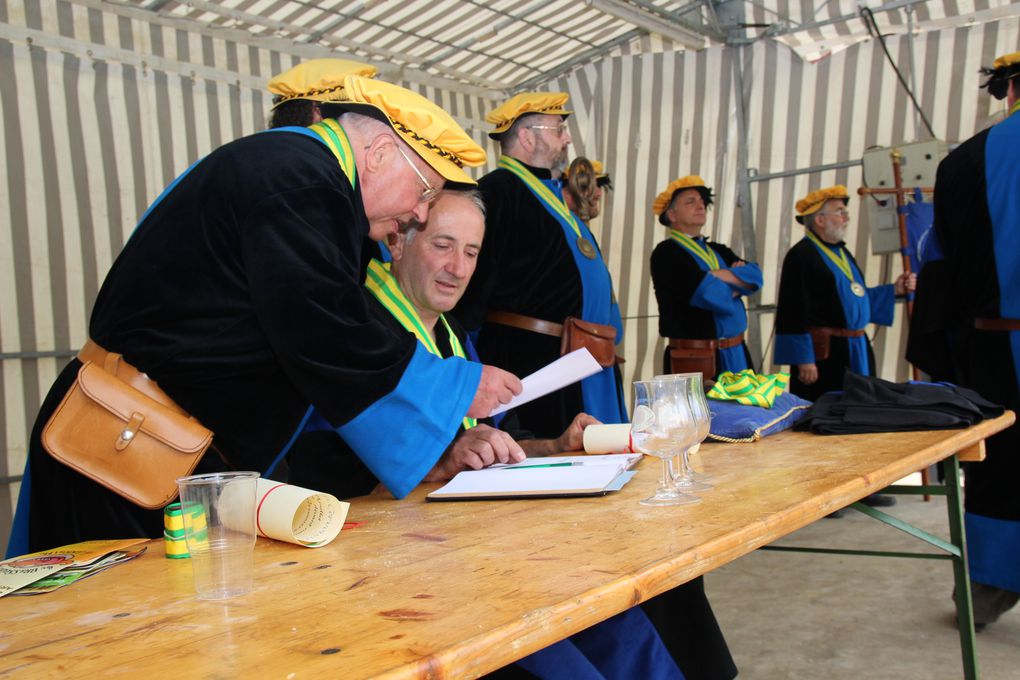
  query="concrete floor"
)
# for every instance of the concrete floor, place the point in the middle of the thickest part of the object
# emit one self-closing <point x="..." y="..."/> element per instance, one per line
<point x="834" y="617"/>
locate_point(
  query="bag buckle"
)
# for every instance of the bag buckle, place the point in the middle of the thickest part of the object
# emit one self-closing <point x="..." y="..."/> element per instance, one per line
<point x="127" y="435"/>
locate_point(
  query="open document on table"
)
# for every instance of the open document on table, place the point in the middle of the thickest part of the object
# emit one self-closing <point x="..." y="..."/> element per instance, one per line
<point x="542" y="478"/>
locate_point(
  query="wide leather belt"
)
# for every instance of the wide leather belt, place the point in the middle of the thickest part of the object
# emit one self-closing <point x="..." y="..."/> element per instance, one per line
<point x="116" y="365"/>
<point x="997" y="324"/>
<point x="527" y="323"/>
<point x="838" y="332"/>
<point x="699" y="343"/>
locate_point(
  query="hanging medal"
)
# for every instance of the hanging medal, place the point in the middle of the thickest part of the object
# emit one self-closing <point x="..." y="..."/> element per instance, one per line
<point x="586" y="247"/>
<point x="841" y="262"/>
<point x="551" y="201"/>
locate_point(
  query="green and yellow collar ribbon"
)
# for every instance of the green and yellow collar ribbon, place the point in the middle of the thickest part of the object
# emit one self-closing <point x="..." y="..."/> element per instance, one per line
<point x="1013" y="109"/>
<point x="554" y="204"/>
<point x="334" y="137"/>
<point x="381" y="283"/>
<point x="842" y="262"/>
<point x="749" y="388"/>
<point x="703" y="253"/>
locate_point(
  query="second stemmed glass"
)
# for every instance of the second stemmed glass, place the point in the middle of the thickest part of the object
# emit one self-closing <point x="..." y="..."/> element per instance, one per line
<point x="691" y="390"/>
<point x="661" y="415"/>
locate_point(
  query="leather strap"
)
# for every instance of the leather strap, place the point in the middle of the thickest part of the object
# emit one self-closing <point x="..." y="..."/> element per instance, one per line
<point x="116" y="365"/>
<point x="527" y="323"/>
<point x="997" y="324"/>
<point x="838" y="332"/>
<point x="696" y="343"/>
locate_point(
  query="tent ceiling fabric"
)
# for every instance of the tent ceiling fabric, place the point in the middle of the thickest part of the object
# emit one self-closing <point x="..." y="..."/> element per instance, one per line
<point x="816" y="29"/>
<point x="503" y="46"/>
<point x="499" y="45"/>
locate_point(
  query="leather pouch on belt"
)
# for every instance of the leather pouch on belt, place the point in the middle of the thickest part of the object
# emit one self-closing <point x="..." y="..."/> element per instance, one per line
<point x="126" y="441"/>
<point x="693" y="360"/>
<point x="598" y="338"/>
<point x="821" y="339"/>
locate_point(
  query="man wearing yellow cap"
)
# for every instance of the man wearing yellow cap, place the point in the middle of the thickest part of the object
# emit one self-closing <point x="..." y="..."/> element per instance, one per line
<point x="240" y="294"/>
<point x="977" y="221"/>
<point x="299" y="92"/>
<point x="824" y="306"/>
<point x="541" y="269"/>
<point x="699" y="285"/>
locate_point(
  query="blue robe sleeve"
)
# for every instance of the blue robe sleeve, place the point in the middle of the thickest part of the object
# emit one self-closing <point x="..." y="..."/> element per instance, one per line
<point x="881" y="299"/>
<point x="794" y="349"/>
<point x="793" y="341"/>
<point x="402" y="435"/>
<point x="713" y="294"/>
<point x="750" y="274"/>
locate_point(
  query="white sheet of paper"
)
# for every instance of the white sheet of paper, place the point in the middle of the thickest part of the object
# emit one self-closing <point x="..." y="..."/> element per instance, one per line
<point x="494" y="482"/>
<point x="566" y="370"/>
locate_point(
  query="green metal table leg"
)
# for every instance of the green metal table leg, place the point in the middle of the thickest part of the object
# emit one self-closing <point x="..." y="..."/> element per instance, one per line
<point x="964" y="604"/>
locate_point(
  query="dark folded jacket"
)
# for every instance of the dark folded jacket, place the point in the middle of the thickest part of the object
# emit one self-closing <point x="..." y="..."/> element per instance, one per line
<point x="876" y="405"/>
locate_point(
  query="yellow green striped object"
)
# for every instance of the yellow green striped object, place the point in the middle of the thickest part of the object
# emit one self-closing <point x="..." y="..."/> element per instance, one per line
<point x="749" y="388"/>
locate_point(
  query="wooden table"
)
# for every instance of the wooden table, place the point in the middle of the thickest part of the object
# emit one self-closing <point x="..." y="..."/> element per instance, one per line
<point x="454" y="589"/>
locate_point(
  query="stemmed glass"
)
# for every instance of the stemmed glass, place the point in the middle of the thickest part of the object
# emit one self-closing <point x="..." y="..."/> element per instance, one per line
<point x="692" y="391"/>
<point x="661" y="415"/>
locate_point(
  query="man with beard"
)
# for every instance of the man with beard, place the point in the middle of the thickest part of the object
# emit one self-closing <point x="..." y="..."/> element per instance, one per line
<point x="240" y="294"/>
<point x="824" y="306"/>
<point x="540" y="268"/>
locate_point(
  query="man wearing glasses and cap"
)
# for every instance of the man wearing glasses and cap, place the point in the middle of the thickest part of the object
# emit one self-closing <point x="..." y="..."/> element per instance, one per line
<point x="977" y="220"/>
<point x="541" y="269"/>
<point x="824" y="306"/>
<point x="240" y="294"/>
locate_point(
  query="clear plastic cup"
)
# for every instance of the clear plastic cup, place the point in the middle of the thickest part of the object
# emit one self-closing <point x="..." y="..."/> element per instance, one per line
<point x="219" y="527"/>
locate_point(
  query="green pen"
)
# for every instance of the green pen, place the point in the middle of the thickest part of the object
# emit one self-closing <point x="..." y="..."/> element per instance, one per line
<point x="544" y="465"/>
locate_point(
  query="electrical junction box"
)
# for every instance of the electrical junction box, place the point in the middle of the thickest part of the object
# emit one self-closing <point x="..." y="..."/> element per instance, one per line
<point x="918" y="165"/>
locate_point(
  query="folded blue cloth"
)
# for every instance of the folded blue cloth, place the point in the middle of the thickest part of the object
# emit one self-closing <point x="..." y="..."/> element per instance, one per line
<point x="733" y="422"/>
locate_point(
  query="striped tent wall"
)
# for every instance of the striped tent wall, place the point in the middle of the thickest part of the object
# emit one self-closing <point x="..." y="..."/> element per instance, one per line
<point x="102" y="109"/>
<point x="800" y="115"/>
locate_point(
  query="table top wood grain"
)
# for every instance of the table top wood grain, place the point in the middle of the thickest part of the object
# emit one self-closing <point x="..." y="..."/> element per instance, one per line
<point x="453" y="590"/>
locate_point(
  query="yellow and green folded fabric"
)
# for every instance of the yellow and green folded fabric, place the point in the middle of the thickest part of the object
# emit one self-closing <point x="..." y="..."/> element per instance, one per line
<point x="747" y="387"/>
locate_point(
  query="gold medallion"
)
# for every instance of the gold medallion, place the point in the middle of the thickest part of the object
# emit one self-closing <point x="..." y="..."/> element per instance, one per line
<point x="857" y="289"/>
<point x="586" y="247"/>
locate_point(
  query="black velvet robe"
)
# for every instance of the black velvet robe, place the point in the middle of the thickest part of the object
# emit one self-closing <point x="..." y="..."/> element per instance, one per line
<point x="808" y="297"/>
<point x="675" y="277"/>
<point x="982" y="360"/>
<point x="240" y="294"/>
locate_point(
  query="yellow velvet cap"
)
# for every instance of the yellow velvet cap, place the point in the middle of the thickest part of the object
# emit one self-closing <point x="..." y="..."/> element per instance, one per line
<point x="663" y="199"/>
<point x="431" y="132"/>
<point x="319" y="80"/>
<point x="816" y="199"/>
<point x="504" y="115"/>
<point x="1006" y="60"/>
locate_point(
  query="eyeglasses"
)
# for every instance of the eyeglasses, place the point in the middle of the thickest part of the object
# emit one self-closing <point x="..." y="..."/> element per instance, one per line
<point x="560" y="129"/>
<point x="842" y="212"/>
<point x="429" y="192"/>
